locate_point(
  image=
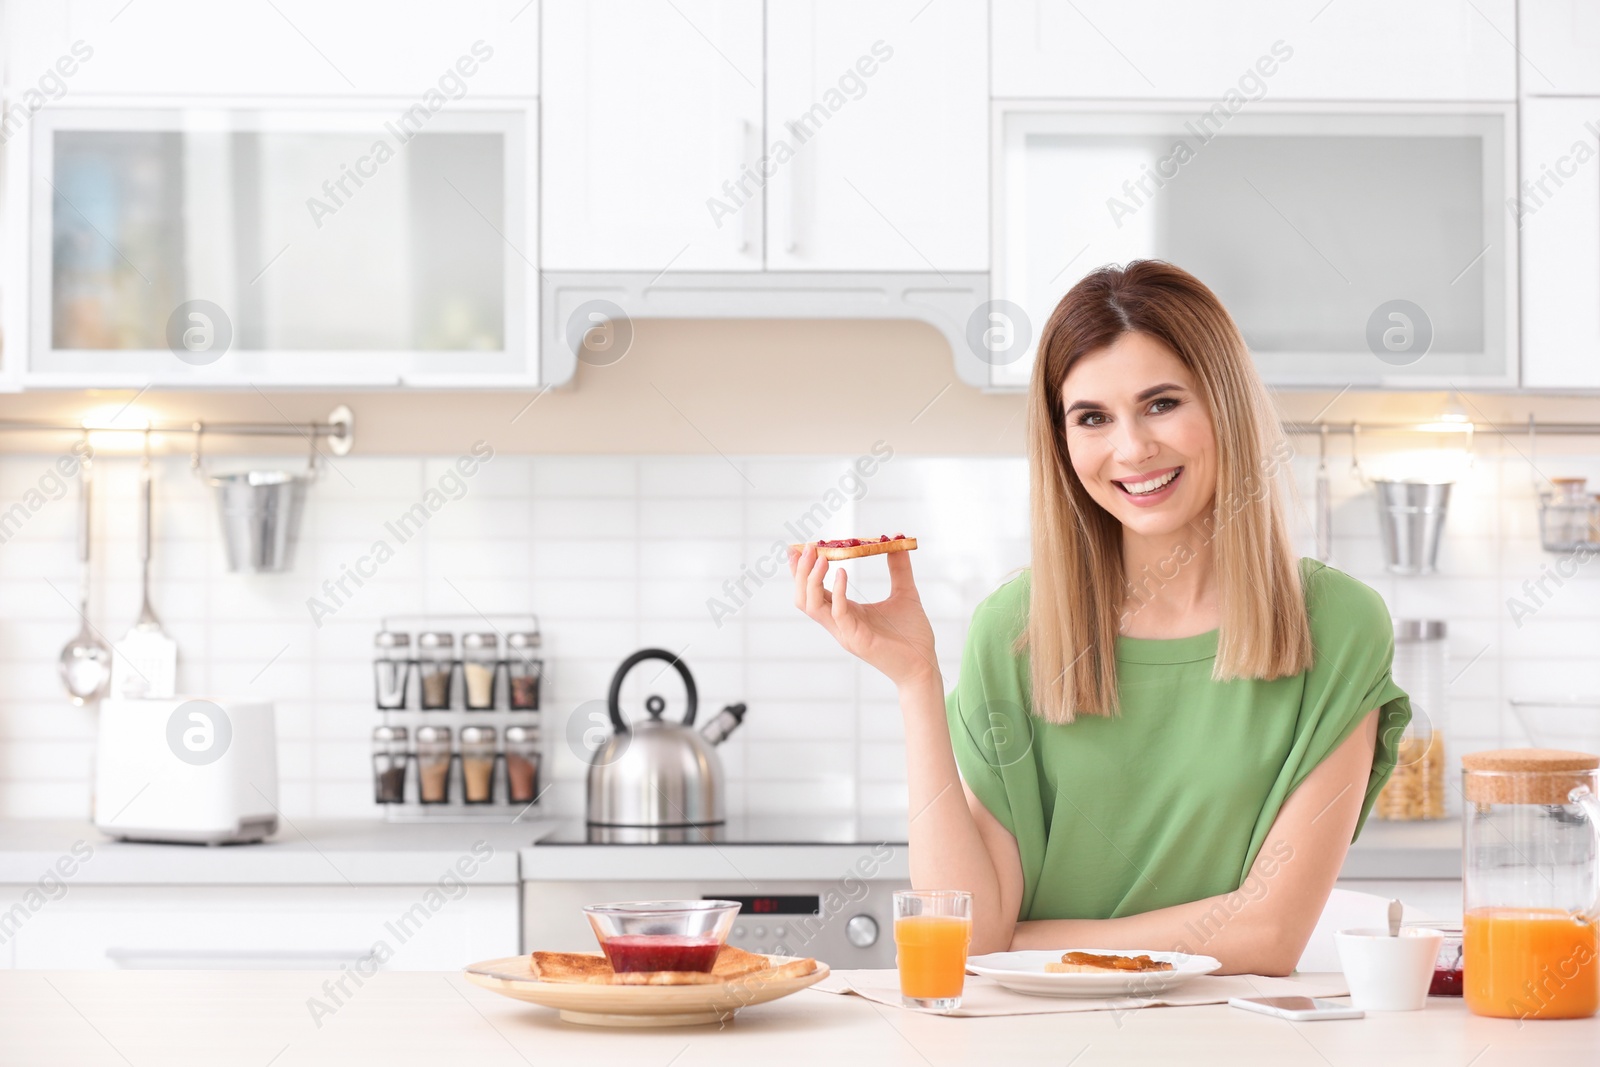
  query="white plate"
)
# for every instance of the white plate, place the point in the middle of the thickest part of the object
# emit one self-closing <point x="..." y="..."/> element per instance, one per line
<point x="1023" y="972"/>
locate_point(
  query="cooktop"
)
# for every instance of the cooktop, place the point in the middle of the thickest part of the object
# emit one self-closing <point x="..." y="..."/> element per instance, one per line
<point x="761" y="830"/>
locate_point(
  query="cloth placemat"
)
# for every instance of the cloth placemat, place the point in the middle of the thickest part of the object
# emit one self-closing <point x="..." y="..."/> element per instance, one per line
<point x="985" y="996"/>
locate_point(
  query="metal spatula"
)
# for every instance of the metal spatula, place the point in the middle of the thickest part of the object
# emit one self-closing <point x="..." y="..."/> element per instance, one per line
<point x="146" y="663"/>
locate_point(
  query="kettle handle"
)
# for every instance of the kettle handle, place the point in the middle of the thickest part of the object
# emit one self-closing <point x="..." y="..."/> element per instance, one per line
<point x="613" y="702"/>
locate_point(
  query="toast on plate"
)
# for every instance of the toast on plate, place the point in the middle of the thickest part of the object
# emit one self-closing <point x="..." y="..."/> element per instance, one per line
<point x="1089" y="963"/>
<point x="733" y="964"/>
<point x="569" y="966"/>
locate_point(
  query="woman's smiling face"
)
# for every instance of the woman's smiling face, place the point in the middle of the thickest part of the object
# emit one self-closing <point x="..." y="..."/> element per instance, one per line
<point x="1139" y="435"/>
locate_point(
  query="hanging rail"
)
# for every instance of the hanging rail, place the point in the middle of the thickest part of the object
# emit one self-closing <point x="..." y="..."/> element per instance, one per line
<point x="339" y="429"/>
<point x="1434" y="426"/>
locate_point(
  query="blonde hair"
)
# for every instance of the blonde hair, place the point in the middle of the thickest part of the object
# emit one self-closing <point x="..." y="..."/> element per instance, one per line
<point x="1078" y="583"/>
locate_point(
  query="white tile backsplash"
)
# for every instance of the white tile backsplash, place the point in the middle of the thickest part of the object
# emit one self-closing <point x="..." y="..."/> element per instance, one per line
<point x="616" y="553"/>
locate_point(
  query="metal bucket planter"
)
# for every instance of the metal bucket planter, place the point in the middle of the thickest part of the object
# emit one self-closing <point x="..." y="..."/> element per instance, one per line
<point x="1411" y="519"/>
<point x="260" y="512"/>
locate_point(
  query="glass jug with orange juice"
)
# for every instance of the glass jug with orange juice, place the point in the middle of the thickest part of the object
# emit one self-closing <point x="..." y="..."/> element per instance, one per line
<point x="1532" y="883"/>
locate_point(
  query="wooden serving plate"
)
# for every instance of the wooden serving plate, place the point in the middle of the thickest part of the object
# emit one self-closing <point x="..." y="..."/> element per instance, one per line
<point x="621" y="1005"/>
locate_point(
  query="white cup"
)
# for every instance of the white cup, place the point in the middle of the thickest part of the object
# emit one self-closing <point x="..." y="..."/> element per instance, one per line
<point x="1388" y="973"/>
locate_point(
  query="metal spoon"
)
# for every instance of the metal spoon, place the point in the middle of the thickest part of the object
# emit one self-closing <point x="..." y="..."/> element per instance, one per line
<point x="85" y="662"/>
<point x="1395" y="911"/>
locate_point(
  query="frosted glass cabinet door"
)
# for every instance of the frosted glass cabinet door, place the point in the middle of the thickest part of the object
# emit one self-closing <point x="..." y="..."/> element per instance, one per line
<point x="225" y="247"/>
<point x="877" y="135"/>
<point x="1309" y="224"/>
<point x="652" y="121"/>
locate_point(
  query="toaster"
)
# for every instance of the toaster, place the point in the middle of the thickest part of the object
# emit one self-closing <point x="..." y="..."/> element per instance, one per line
<point x="189" y="770"/>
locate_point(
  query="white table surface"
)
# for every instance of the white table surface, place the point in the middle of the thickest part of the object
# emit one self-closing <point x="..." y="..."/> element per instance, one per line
<point x="436" y="1019"/>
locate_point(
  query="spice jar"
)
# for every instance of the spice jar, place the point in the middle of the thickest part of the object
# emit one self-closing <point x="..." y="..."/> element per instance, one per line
<point x="1415" y="789"/>
<point x="389" y="760"/>
<point x="391" y="669"/>
<point x="522" y="764"/>
<point x="433" y="764"/>
<point x="477" y="763"/>
<point x="480" y="654"/>
<point x="524" y="669"/>
<point x="436" y="665"/>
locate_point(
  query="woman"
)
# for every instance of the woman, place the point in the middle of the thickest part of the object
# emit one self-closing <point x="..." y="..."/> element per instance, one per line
<point x="1167" y="732"/>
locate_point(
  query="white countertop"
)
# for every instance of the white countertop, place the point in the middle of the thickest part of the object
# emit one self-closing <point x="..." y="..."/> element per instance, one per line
<point x="429" y="1019"/>
<point x="306" y="852"/>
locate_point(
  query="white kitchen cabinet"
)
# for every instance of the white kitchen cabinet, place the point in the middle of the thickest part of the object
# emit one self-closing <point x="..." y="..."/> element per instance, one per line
<point x="652" y="130"/>
<point x="262" y="928"/>
<point x="289" y="47"/>
<point x="1202" y="49"/>
<point x="877" y="135"/>
<point x="1558" y="212"/>
<point x="1560" y="46"/>
<point x="217" y="246"/>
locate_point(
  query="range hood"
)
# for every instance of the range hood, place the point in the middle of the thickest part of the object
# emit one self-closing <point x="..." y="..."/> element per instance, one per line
<point x="947" y="302"/>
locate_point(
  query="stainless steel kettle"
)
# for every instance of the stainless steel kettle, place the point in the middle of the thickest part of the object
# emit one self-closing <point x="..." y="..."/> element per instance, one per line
<point x="657" y="780"/>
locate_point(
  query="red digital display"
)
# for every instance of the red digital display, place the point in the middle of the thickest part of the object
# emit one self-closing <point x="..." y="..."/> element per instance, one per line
<point x="785" y="905"/>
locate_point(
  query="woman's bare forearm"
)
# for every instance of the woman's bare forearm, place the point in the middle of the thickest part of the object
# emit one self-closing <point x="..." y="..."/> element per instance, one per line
<point x="1245" y="936"/>
<point x="947" y="851"/>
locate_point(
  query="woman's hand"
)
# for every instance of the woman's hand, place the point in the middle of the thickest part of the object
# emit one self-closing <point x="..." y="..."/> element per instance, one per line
<point x="893" y="634"/>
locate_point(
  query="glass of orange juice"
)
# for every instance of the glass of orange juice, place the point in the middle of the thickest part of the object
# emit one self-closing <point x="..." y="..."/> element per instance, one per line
<point x="932" y="930"/>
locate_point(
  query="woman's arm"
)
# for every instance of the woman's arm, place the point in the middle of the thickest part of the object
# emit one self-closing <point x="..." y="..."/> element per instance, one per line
<point x="955" y="842"/>
<point x="952" y="846"/>
<point x="1263" y="926"/>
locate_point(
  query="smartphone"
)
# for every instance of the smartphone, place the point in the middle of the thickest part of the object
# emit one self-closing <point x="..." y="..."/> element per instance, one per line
<point x="1298" y="1009"/>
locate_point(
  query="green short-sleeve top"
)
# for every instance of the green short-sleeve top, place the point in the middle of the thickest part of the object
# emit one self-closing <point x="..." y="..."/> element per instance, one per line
<point x="1169" y="800"/>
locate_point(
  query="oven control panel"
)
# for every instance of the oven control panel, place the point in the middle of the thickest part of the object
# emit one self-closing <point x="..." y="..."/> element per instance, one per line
<point x="849" y="925"/>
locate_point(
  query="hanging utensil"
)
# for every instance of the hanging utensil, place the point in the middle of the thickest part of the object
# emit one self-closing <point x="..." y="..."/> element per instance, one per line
<point x="1324" y="501"/>
<point x="85" y="662"/>
<point x="147" y="657"/>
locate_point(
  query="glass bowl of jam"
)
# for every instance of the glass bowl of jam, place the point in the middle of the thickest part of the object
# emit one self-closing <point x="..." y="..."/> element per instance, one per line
<point x="662" y="935"/>
<point x="1447" y="970"/>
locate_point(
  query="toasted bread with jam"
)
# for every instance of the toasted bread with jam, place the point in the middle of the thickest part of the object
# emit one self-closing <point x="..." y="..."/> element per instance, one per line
<point x="1089" y="963"/>
<point x="733" y="964"/>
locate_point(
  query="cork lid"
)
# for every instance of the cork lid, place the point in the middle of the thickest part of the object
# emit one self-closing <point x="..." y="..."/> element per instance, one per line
<point x="1526" y="775"/>
<point x="1533" y="760"/>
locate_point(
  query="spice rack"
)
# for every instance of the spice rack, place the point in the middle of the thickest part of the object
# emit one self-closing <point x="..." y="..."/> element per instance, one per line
<point x="459" y="698"/>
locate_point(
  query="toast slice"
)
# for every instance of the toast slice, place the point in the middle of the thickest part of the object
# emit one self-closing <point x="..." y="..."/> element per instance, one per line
<point x="570" y="966"/>
<point x="733" y="965"/>
<point x="1089" y="963"/>
<point x="792" y="969"/>
<point x="736" y="963"/>
<point x="856" y="547"/>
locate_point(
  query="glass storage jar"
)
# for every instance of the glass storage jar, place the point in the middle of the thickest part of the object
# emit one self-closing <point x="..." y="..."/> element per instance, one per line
<point x="480" y="654"/>
<point x="522" y="764"/>
<point x="436" y="667"/>
<point x="1532" y="823"/>
<point x="389" y="762"/>
<point x="1415" y="790"/>
<point x="477" y="764"/>
<point x="391" y="669"/>
<point x="433" y="764"/>
<point x="524" y="669"/>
